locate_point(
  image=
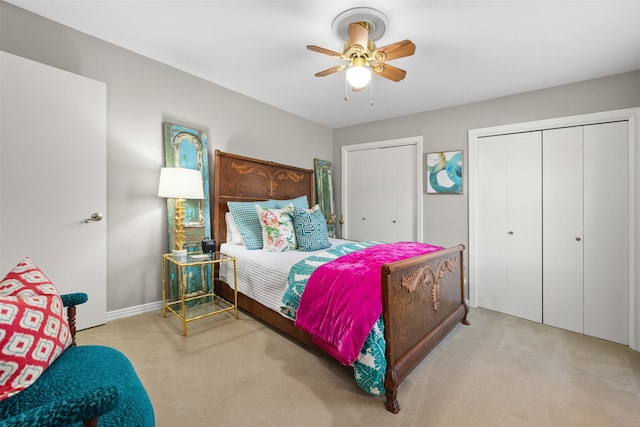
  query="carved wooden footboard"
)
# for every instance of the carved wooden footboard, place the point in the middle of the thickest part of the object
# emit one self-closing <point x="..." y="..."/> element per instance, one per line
<point x="423" y="299"/>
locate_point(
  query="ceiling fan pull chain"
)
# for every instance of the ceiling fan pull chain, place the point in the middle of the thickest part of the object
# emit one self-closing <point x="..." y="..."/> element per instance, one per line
<point x="346" y="89"/>
<point x="371" y="93"/>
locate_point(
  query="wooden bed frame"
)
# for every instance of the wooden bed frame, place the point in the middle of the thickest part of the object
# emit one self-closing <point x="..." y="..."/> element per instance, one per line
<point x="423" y="296"/>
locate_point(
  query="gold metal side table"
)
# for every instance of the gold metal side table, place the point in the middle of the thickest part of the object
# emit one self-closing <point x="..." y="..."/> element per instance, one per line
<point x="189" y="304"/>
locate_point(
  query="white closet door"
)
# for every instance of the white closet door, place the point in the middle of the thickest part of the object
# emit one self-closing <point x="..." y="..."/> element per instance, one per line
<point x="510" y="220"/>
<point x="403" y="223"/>
<point x="381" y="189"/>
<point x="606" y="243"/>
<point x="524" y="220"/>
<point x="364" y="193"/>
<point x="492" y="219"/>
<point x="563" y="228"/>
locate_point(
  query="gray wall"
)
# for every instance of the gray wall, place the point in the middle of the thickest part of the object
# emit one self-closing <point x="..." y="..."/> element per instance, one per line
<point x="141" y="94"/>
<point x="446" y="216"/>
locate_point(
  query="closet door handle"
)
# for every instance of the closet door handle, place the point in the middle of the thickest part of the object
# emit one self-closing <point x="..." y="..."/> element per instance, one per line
<point x="578" y="239"/>
<point x="94" y="217"/>
<point x="510" y="232"/>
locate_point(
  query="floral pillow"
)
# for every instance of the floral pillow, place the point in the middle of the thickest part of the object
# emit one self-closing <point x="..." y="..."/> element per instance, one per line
<point x="278" y="233"/>
<point x="33" y="327"/>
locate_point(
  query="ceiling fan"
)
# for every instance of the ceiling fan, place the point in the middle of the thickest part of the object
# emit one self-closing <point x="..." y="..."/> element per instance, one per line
<point x="361" y="27"/>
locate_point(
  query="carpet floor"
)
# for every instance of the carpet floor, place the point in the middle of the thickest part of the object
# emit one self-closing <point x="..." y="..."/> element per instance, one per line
<point x="499" y="371"/>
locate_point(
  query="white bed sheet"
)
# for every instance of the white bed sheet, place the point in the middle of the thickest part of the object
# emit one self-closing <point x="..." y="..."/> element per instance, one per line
<point x="262" y="275"/>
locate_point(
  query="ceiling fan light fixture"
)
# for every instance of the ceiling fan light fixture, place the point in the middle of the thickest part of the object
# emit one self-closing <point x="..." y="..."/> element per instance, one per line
<point x="358" y="73"/>
<point x="358" y="76"/>
<point x="360" y="28"/>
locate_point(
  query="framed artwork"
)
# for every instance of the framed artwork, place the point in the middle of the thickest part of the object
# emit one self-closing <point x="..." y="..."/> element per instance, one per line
<point x="323" y="170"/>
<point x="444" y="172"/>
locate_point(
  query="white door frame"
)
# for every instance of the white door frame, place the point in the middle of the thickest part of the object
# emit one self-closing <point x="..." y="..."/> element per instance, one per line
<point x="632" y="115"/>
<point x="414" y="140"/>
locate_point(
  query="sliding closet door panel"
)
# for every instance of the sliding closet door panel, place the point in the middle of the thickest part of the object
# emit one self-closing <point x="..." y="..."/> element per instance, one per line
<point x="402" y="223"/>
<point x="363" y="193"/>
<point x="606" y="243"/>
<point x="492" y="219"/>
<point x="563" y="228"/>
<point x="381" y="194"/>
<point x="524" y="226"/>
<point x="509" y="217"/>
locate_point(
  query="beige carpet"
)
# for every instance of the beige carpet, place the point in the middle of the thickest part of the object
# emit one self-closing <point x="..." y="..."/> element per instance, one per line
<point x="500" y="371"/>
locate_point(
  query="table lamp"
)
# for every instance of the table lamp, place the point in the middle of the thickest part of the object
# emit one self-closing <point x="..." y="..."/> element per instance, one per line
<point x="180" y="184"/>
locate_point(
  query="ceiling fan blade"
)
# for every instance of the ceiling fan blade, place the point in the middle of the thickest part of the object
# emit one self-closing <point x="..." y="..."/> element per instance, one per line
<point x="358" y="35"/>
<point x="319" y="49"/>
<point x="389" y="72"/>
<point x="330" y="70"/>
<point x="394" y="51"/>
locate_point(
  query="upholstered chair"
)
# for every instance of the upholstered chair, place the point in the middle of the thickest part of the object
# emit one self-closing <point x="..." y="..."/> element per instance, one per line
<point x="86" y="385"/>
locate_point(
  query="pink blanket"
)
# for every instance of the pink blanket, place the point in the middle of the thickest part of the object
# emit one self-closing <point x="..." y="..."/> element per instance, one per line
<point x="343" y="298"/>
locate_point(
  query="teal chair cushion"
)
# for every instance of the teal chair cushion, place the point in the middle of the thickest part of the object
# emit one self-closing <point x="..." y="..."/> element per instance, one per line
<point x="84" y="382"/>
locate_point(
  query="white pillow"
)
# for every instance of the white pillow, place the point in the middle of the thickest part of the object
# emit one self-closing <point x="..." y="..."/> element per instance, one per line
<point x="233" y="234"/>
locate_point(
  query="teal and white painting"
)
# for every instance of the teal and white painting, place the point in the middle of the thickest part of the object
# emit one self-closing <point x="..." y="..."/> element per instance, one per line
<point x="444" y="172"/>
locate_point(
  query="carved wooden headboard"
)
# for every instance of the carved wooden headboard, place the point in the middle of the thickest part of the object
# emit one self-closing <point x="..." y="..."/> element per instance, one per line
<point x="239" y="178"/>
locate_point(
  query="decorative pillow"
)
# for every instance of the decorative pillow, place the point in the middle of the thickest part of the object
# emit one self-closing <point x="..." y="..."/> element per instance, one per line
<point x="33" y="327"/>
<point x="278" y="234"/>
<point x="233" y="234"/>
<point x="246" y="219"/>
<point x="299" y="202"/>
<point x="311" y="229"/>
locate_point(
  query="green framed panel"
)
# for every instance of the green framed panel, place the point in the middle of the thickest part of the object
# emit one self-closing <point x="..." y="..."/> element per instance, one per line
<point x="323" y="172"/>
<point x="187" y="147"/>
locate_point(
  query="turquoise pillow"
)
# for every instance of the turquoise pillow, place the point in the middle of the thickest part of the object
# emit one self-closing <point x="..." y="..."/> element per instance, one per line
<point x="311" y="229"/>
<point x="299" y="202"/>
<point x="246" y="219"/>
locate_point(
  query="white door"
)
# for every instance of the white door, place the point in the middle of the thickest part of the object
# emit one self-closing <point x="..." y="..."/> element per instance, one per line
<point x="606" y="231"/>
<point x="403" y="222"/>
<point x="563" y="234"/>
<point x="53" y="177"/>
<point x="380" y="201"/>
<point x="589" y="208"/>
<point x="509" y="217"/>
<point x="364" y="193"/>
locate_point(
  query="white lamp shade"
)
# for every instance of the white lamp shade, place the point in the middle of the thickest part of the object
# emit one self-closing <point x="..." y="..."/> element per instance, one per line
<point x="358" y="76"/>
<point x="180" y="183"/>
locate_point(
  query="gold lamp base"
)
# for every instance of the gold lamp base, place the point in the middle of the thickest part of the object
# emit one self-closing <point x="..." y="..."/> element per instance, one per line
<point x="179" y="223"/>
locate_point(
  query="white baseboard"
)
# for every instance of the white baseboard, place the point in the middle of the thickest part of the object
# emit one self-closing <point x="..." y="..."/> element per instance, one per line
<point x="132" y="311"/>
<point x="152" y="306"/>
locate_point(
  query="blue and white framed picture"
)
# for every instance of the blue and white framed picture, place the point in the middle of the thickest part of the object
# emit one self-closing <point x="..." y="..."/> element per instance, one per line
<point x="444" y="172"/>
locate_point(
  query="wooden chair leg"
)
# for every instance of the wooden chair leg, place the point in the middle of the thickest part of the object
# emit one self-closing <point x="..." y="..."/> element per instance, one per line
<point x="71" y="318"/>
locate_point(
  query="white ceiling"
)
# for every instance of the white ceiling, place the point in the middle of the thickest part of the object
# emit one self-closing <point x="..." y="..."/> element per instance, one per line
<point x="466" y="50"/>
